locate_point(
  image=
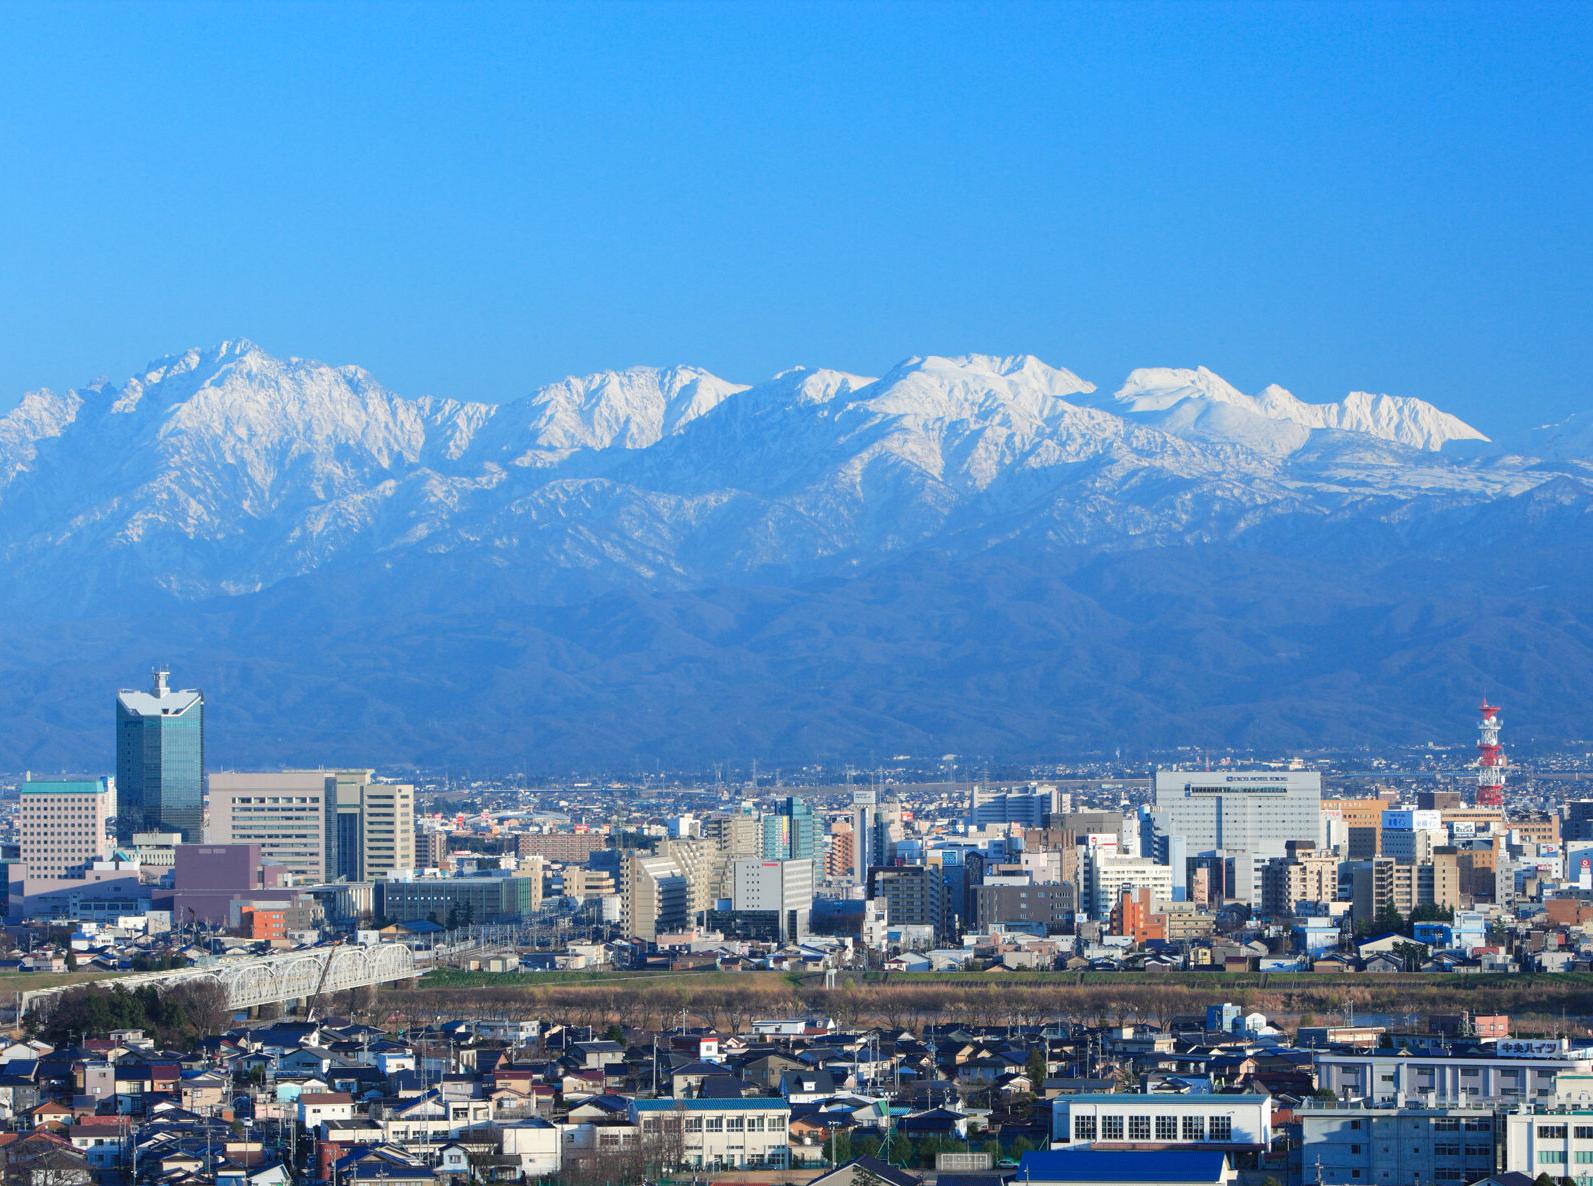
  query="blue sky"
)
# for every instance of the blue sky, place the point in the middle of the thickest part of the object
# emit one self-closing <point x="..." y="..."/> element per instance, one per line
<point x="472" y="200"/>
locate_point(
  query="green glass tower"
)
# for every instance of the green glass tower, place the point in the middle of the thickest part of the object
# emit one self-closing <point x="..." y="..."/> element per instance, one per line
<point x="160" y="761"/>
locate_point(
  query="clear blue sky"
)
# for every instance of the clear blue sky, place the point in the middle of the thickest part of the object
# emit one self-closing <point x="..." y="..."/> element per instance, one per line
<point x="471" y="200"/>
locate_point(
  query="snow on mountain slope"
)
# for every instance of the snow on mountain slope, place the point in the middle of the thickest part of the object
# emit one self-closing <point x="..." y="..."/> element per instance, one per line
<point x="1400" y="419"/>
<point x="629" y="409"/>
<point x="226" y="470"/>
<point x="1570" y="439"/>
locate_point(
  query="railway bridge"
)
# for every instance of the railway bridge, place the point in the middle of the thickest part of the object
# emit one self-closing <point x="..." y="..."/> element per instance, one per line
<point x="278" y="978"/>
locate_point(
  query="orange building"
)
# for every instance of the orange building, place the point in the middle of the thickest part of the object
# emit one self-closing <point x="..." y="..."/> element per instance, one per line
<point x="260" y="922"/>
<point x="1133" y="916"/>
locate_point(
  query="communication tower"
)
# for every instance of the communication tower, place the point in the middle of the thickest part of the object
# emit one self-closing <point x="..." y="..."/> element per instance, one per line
<point x="1490" y="758"/>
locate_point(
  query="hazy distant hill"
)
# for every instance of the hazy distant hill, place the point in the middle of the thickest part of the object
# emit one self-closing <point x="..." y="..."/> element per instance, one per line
<point x="977" y="553"/>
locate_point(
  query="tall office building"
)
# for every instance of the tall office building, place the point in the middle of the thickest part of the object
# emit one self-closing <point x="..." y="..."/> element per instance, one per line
<point x="1239" y="817"/>
<point x="791" y="833"/>
<point x="64" y="825"/>
<point x="876" y="824"/>
<point x="370" y="826"/>
<point x="322" y="824"/>
<point x="160" y="761"/>
<point x="283" y="812"/>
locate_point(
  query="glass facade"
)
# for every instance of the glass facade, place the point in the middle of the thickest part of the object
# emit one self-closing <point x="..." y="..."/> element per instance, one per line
<point x="160" y="763"/>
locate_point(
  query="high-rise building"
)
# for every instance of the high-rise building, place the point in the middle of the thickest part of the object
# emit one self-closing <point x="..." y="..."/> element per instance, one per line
<point x="370" y="826"/>
<point x="1242" y="815"/>
<point x="914" y="895"/>
<point x="876" y="826"/>
<point x="284" y="812"/>
<point x="1107" y="874"/>
<point x="734" y="833"/>
<point x="790" y="833"/>
<point x="431" y="848"/>
<point x="160" y="761"/>
<point x="842" y="851"/>
<point x="1411" y="835"/>
<point x="321" y="824"/>
<point x="64" y="825"/>
<point x="1305" y="877"/>
<point x="654" y="896"/>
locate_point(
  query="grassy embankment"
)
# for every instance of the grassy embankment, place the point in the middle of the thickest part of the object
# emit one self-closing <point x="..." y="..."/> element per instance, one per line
<point x="1542" y="1004"/>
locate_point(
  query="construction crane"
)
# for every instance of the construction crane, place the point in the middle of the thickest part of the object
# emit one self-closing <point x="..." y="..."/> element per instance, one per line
<point x="320" y="985"/>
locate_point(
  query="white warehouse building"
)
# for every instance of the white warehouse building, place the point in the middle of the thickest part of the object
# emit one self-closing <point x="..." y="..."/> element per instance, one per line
<point x="1104" y="1120"/>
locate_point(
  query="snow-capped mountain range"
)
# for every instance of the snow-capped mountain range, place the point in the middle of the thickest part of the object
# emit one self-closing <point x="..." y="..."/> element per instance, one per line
<point x="225" y="470"/>
<point x="894" y="552"/>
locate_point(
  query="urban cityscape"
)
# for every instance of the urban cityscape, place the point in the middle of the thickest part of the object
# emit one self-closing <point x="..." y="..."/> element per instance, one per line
<point x="1291" y="972"/>
<point x="905" y="593"/>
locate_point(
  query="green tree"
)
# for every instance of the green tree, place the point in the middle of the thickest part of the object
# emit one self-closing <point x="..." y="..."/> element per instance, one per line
<point x="1035" y="1068"/>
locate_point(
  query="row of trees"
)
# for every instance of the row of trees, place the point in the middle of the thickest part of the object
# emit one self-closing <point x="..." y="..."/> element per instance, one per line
<point x="177" y="1016"/>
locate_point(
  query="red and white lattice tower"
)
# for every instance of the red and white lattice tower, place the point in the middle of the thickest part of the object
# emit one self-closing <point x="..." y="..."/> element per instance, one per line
<point x="1490" y="758"/>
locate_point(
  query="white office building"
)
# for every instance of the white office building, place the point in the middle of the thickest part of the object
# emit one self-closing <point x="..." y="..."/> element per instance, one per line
<point x="781" y="887"/>
<point x="1240" y="814"/>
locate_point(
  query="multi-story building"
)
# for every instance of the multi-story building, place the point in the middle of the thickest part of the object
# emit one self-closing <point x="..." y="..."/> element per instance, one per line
<point x="914" y="895"/>
<point x="717" y="1134"/>
<point x="1305" y="876"/>
<point x="569" y="848"/>
<point x="1553" y="1139"/>
<point x="790" y="833"/>
<point x="1243" y="816"/>
<point x="320" y="824"/>
<point x="64" y="825"/>
<point x="1411" y="835"/>
<point x="431" y="846"/>
<point x="654" y="896"/>
<point x="457" y="901"/>
<point x="1135" y="915"/>
<point x="1379" y="885"/>
<point x="1102" y="1121"/>
<point x="1031" y="807"/>
<point x="1395" y="1146"/>
<point x="842" y="851"/>
<point x="284" y="812"/>
<point x="780" y="889"/>
<point x="370" y="826"/>
<point x="1363" y="823"/>
<point x="1579" y="820"/>
<point x="160" y="761"/>
<point x="1514" y="1072"/>
<point x="734" y="833"/>
<point x="1107" y="875"/>
<point x="1050" y="906"/>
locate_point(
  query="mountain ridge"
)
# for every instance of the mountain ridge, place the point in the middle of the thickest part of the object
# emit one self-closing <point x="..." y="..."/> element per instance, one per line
<point x="236" y="510"/>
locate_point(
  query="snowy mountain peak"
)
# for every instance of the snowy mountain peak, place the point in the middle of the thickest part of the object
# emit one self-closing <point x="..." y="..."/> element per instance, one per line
<point x="973" y="387"/>
<point x="809" y="385"/>
<point x="1155" y="389"/>
<point x="1156" y="392"/>
<point x="630" y="409"/>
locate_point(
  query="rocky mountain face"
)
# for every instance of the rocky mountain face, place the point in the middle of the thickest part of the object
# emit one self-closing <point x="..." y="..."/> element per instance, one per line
<point x="662" y="563"/>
